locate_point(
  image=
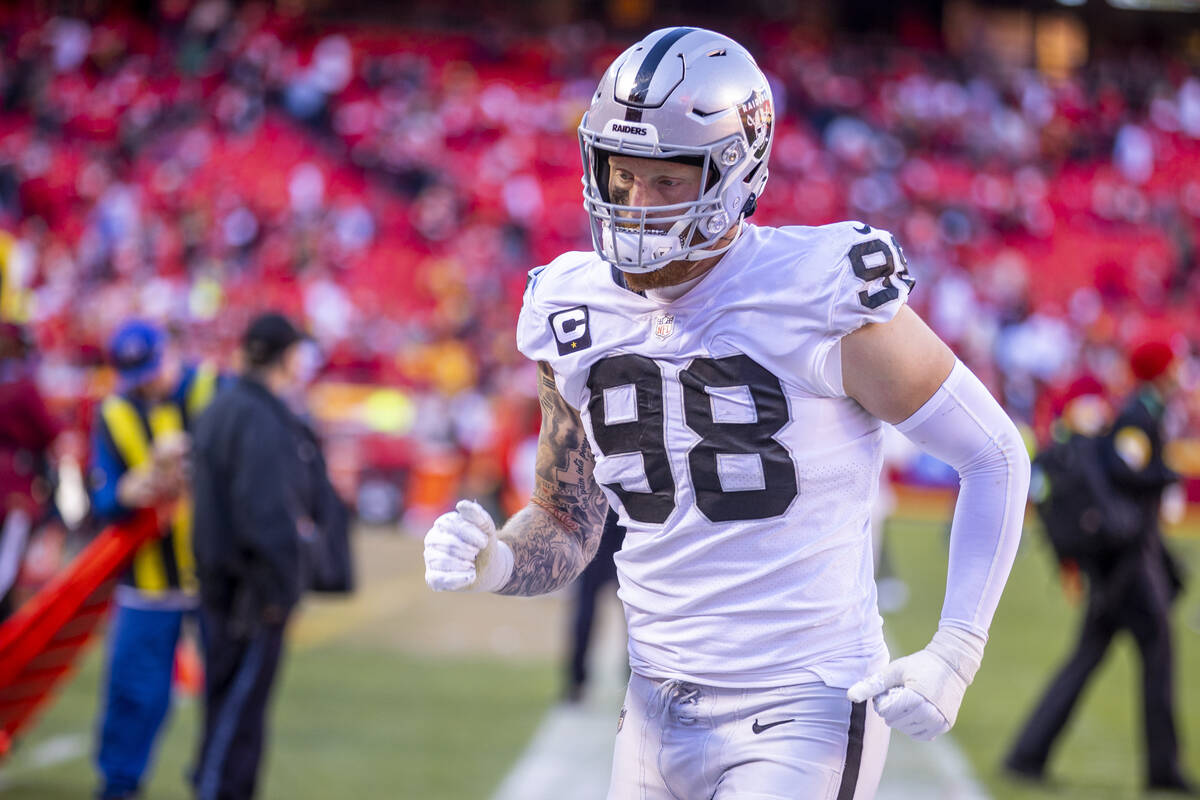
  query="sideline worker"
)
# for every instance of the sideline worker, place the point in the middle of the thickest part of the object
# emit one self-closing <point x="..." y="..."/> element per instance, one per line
<point x="138" y="453"/>
<point x="1130" y="588"/>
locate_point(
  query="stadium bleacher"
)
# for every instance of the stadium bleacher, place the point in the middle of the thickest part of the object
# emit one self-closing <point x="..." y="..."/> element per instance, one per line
<point x="391" y="186"/>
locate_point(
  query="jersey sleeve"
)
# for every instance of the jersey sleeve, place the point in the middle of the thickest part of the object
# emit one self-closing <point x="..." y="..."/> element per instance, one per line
<point x="871" y="282"/>
<point x="535" y="339"/>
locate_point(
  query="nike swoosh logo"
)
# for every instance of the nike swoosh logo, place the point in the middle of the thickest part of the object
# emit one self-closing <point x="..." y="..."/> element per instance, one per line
<point x="864" y="229"/>
<point x="760" y="728"/>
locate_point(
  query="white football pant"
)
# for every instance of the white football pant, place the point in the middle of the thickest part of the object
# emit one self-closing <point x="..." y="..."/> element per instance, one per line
<point x="680" y="741"/>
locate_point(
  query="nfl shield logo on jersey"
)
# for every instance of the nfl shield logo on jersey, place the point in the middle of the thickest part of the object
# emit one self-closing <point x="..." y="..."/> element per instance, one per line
<point x="664" y="326"/>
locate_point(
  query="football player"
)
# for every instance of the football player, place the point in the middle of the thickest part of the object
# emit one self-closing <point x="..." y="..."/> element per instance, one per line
<point x="722" y="387"/>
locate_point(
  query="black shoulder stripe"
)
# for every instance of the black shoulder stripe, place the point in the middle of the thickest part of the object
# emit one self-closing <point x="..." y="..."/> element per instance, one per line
<point x="641" y="84"/>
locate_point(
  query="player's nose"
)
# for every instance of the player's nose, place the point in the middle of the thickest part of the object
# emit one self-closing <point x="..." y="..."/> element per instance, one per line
<point x="639" y="194"/>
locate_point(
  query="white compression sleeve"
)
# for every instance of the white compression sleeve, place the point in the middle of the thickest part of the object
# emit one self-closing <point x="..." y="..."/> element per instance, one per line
<point x="963" y="425"/>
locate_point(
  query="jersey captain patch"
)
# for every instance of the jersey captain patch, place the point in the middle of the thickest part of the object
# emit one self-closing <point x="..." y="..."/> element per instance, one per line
<point x="570" y="328"/>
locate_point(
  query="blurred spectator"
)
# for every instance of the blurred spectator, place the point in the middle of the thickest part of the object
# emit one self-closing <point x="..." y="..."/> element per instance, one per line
<point x="262" y="499"/>
<point x="138" y="460"/>
<point x="27" y="431"/>
<point x="391" y="188"/>
<point x="1129" y="588"/>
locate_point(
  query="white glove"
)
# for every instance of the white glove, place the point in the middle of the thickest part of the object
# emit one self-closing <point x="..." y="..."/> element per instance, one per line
<point x="920" y="693"/>
<point x="463" y="554"/>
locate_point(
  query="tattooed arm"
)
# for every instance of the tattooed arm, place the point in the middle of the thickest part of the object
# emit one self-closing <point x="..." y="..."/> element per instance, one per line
<point x="544" y="545"/>
<point x="556" y="535"/>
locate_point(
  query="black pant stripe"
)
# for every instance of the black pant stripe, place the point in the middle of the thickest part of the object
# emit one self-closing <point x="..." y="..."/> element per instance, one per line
<point x="854" y="748"/>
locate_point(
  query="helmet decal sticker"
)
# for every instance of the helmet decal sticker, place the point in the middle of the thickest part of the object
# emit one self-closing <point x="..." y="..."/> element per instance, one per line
<point x="757" y="118"/>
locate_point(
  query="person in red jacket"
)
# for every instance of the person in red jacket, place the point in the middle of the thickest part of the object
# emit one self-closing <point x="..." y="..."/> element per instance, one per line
<point x="27" y="430"/>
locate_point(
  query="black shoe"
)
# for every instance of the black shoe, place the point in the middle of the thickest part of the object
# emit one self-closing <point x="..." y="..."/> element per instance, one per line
<point x="1177" y="785"/>
<point x="1025" y="770"/>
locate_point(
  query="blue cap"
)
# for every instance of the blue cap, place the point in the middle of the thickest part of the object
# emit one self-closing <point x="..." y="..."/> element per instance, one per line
<point x="136" y="351"/>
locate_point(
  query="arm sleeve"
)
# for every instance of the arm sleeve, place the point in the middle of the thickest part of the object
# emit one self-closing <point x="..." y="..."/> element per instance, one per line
<point x="264" y="511"/>
<point x="963" y="425"/>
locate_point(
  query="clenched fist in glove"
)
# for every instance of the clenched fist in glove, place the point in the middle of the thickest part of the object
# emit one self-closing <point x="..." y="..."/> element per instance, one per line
<point x="463" y="554"/>
<point x="920" y="693"/>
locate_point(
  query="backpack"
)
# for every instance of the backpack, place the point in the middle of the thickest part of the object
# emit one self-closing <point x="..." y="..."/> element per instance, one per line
<point x="325" y="547"/>
<point x="1084" y="514"/>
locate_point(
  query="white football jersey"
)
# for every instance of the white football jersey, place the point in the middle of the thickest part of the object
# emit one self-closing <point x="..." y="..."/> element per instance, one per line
<point x="724" y="440"/>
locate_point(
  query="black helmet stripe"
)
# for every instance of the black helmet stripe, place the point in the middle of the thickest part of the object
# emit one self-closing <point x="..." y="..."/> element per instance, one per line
<point x="645" y="74"/>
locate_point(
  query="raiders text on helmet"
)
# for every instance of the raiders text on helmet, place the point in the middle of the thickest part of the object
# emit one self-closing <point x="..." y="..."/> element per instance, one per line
<point x="687" y="94"/>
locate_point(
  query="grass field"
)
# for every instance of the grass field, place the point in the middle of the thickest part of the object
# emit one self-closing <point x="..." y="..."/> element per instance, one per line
<point x="1100" y="754"/>
<point x="404" y="694"/>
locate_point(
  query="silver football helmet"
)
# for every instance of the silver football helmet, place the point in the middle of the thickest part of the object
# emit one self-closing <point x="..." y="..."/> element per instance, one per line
<point x="684" y="94"/>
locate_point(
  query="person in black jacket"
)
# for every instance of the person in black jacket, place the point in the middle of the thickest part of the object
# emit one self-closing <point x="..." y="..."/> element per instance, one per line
<point x="600" y="572"/>
<point x="259" y="492"/>
<point x="1129" y="588"/>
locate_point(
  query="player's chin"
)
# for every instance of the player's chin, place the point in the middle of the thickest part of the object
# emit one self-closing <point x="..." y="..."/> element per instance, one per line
<point x="667" y="275"/>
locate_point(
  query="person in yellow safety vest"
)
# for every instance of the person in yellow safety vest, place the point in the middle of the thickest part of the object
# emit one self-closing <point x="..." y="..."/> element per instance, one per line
<point x="139" y="447"/>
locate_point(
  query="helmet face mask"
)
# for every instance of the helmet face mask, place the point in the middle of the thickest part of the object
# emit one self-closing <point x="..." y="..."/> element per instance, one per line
<point x="681" y="94"/>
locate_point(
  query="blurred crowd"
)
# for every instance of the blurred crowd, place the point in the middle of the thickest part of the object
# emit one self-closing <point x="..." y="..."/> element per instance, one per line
<point x="392" y="186"/>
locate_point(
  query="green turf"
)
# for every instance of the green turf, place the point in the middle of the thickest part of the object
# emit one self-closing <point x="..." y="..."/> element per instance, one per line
<point x="1100" y="754"/>
<point x="348" y="723"/>
<point x="370" y="723"/>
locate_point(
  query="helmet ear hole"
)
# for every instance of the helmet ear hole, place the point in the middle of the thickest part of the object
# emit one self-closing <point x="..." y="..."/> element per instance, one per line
<point x="750" y="176"/>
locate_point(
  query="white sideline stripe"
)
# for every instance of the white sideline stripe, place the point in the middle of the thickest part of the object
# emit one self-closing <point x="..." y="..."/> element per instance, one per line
<point x="50" y="753"/>
<point x="936" y="770"/>
<point x="570" y="754"/>
<point x="569" y="757"/>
